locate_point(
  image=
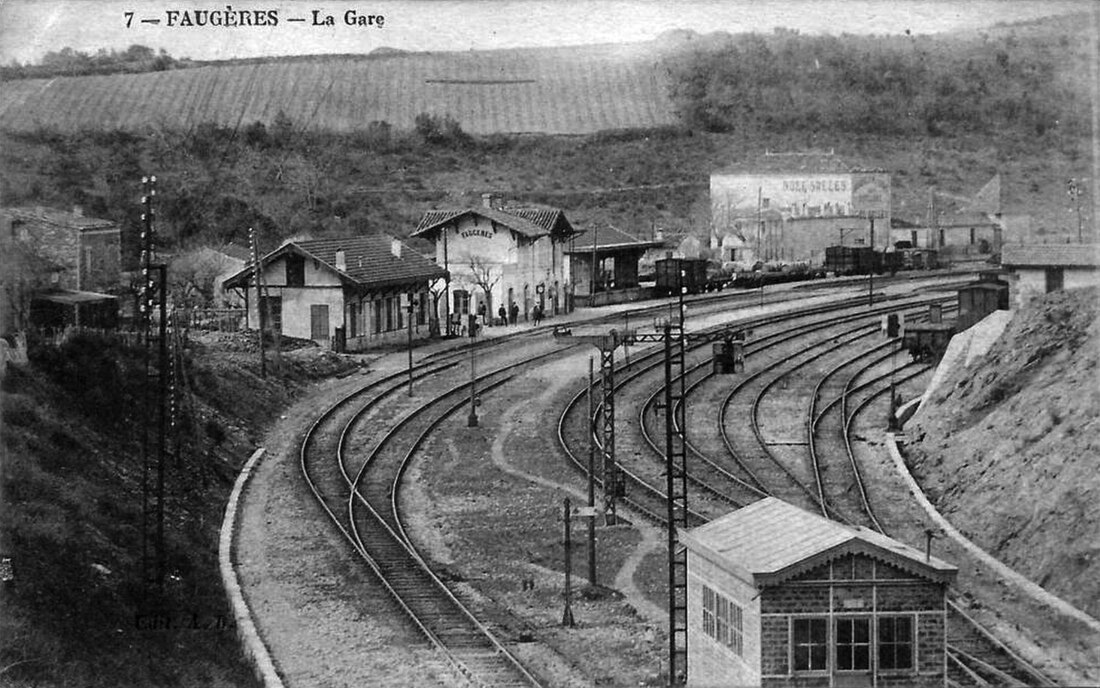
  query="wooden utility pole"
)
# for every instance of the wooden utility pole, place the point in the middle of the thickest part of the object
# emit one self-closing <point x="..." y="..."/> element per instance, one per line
<point x="260" y="305"/>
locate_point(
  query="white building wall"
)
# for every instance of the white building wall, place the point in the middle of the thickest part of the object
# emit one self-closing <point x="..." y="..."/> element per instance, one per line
<point x="520" y="264"/>
<point x="322" y="288"/>
<point x="709" y="663"/>
<point x="1027" y="283"/>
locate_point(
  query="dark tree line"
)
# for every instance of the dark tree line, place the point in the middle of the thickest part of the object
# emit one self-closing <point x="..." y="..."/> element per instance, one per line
<point x="905" y="85"/>
<point x="69" y="62"/>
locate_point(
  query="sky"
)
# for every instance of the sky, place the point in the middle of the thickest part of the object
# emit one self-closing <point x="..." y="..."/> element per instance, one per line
<point x="30" y="28"/>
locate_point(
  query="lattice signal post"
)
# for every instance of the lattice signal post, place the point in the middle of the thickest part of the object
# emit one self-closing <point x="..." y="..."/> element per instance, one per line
<point x="614" y="486"/>
<point x="154" y="416"/>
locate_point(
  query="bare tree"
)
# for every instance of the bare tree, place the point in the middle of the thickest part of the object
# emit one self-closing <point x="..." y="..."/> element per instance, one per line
<point x="483" y="276"/>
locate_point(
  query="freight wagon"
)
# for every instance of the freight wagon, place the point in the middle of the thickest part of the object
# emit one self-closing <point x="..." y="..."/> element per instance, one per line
<point x="690" y="274"/>
<point x="861" y="260"/>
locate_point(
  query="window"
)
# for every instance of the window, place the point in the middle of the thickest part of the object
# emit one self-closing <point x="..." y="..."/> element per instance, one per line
<point x="853" y="644"/>
<point x="810" y="644"/>
<point x="462" y="301"/>
<point x="422" y="310"/>
<point x="295" y="271"/>
<point x="723" y="620"/>
<point x="376" y="308"/>
<point x="895" y="642"/>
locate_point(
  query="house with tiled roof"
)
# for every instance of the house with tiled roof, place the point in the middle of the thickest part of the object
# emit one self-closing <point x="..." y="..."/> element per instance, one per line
<point x="1036" y="269"/>
<point x="780" y="596"/>
<point x="58" y="264"/>
<point x="352" y="293"/>
<point x="498" y="255"/>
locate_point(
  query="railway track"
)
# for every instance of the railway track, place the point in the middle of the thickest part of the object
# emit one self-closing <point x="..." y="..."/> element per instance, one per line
<point x="975" y="656"/>
<point x="360" y="498"/>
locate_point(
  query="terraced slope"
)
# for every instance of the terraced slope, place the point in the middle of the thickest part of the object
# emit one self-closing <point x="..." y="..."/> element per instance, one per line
<point x="575" y="90"/>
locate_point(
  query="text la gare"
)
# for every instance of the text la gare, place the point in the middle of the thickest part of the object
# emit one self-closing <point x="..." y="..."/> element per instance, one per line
<point x="351" y="18"/>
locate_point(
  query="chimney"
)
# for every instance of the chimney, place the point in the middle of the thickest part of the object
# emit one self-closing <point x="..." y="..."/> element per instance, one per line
<point x="487" y="200"/>
<point x="78" y="210"/>
<point x="341" y="260"/>
<point x="395" y="248"/>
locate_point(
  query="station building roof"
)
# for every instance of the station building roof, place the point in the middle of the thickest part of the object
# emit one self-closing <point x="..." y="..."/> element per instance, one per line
<point x="610" y="239"/>
<point x="370" y="261"/>
<point x="1051" y="255"/>
<point x="531" y="222"/>
<point x="770" y="541"/>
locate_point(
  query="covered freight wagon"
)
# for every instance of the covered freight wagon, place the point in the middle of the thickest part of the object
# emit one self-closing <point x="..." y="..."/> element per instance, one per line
<point x="674" y="274"/>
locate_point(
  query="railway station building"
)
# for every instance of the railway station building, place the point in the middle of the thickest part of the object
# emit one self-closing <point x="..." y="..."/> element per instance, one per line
<point x="351" y="294"/>
<point x="501" y="256"/>
<point x="779" y="596"/>
<point x="789" y="206"/>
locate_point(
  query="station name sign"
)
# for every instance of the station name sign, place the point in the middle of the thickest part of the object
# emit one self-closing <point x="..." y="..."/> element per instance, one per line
<point x="476" y="231"/>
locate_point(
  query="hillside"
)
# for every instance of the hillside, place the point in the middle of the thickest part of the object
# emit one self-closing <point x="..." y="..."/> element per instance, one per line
<point x="70" y="513"/>
<point x="1008" y="450"/>
<point x="573" y="90"/>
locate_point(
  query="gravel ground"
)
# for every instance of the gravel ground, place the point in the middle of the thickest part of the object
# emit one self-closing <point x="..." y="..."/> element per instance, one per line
<point x="301" y="578"/>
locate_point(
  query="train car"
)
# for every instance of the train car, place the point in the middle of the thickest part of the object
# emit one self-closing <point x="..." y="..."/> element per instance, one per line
<point x="980" y="298"/>
<point x="849" y="260"/>
<point x="861" y="260"/>
<point x="674" y="273"/>
<point x="919" y="258"/>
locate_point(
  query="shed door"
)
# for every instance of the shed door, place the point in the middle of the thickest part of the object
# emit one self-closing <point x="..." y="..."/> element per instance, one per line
<point x="1055" y="279"/>
<point x="318" y="322"/>
<point x="852" y="666"/>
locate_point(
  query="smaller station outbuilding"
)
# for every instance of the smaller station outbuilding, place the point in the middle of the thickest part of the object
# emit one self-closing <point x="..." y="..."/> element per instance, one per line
<point x="603" y="266"/>
<point x="351" y="293"/>
<point x="1039" y="269"/>
<point x="779" y="596"/>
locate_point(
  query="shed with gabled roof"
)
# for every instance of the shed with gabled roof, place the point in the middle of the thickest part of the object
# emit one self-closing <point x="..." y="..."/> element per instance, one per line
<point x="1036" y="269"/>
<point x="779" y="596"/>
<point x="358" y="289"/>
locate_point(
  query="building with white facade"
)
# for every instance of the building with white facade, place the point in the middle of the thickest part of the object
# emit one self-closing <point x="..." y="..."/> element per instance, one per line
<point x="790" y="206"/>
<point x="499" y="255"/>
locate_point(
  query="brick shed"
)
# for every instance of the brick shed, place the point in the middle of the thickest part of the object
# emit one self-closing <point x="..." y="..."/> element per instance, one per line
<point x="779" y="596"/>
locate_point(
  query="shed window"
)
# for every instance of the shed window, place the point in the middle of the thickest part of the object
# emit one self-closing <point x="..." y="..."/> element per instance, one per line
<point x="723" y="620"/>
<point x="810" y="644"/>
<point x="895" y="642"/>
<point x="853" y="644"/>
<point x="295" y="271"/>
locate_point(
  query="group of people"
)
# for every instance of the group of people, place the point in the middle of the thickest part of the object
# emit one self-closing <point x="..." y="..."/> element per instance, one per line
<point x="510" y="315"/>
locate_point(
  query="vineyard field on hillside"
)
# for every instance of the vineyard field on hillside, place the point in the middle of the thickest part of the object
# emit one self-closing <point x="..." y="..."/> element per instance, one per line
<point x="551" y="91"/>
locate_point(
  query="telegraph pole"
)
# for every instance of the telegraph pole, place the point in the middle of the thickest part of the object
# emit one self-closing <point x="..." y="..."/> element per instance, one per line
<point x="409" y="307"/>
<point x="153" y="442"/>
<point x="871" y="268"/>
<point x="253" y="245"/>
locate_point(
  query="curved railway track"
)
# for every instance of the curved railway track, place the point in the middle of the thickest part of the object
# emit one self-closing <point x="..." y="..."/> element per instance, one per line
<point x="975" y="656"/>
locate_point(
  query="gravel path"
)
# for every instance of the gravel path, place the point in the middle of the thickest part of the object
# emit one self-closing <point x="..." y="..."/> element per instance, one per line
<point x="304" y="582"/>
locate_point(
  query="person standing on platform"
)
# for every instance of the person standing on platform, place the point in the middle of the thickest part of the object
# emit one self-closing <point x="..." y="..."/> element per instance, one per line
<point x="502" y="313"/>
<point x="514" y="312"/>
